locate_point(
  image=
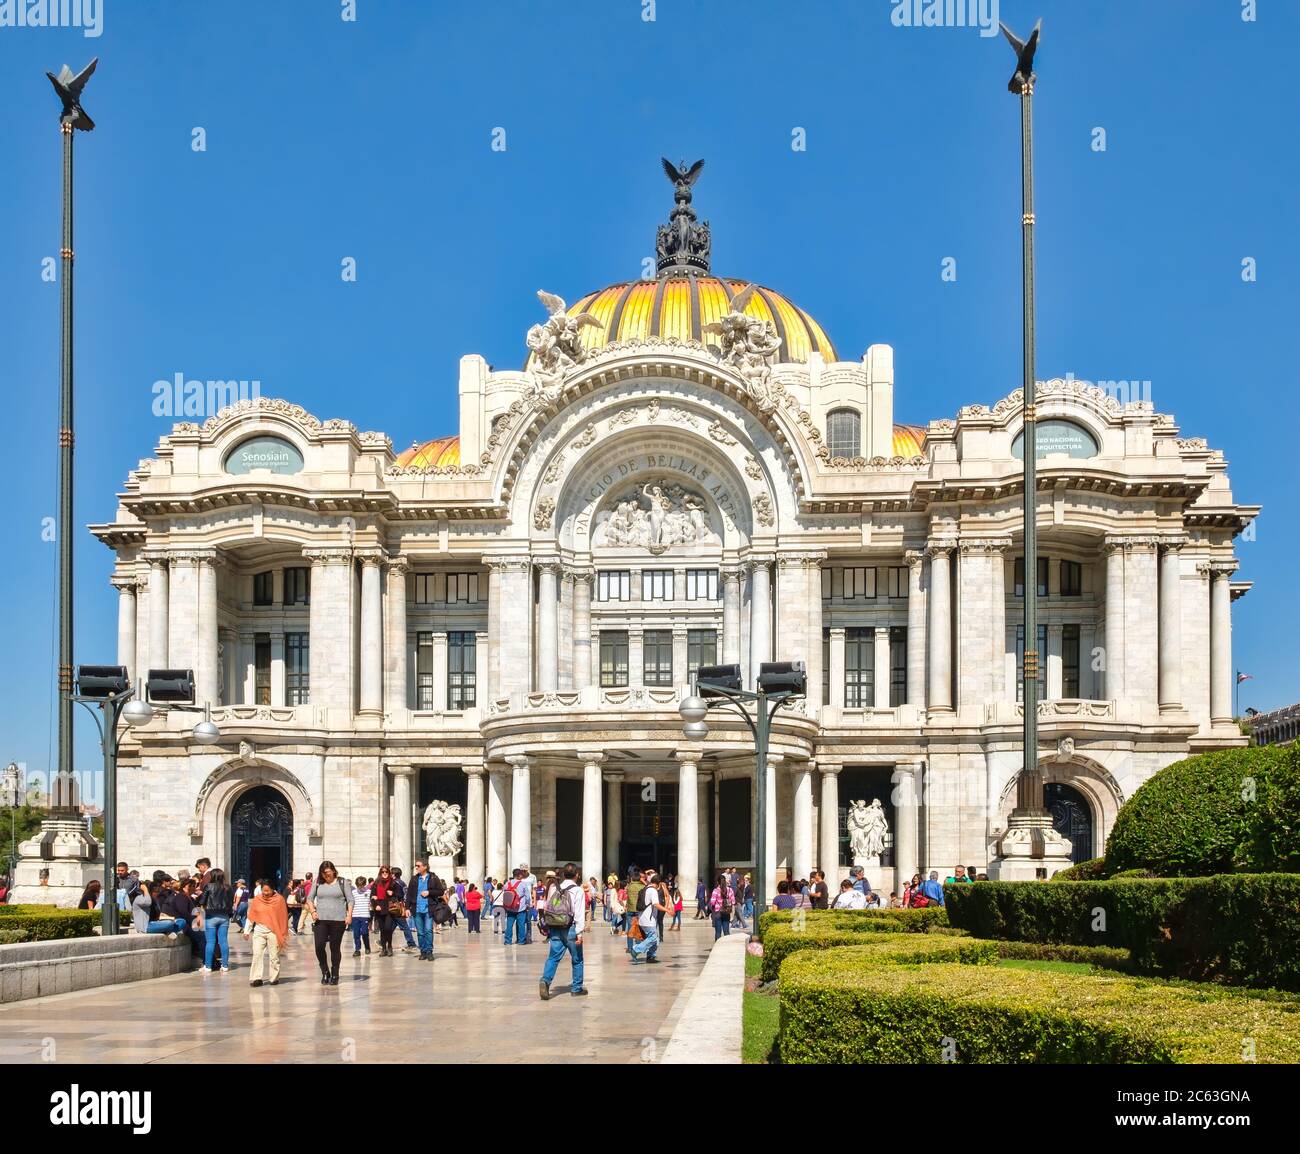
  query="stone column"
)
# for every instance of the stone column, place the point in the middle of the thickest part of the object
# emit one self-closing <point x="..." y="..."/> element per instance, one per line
<point x="439" y="659"/>
<point x="636" y="655"/>
<point x="940" y="627"/>
<point x="813" y="593"/>
<point x="183" y="612"/>
<point x="837" y="668"/>
<point x="159" y="605"/>
<point x="828" y="853"/>
<point x="396" y="657"/>
<point x="126" y="627"/>
<point x="497" y="865"/>
<point x="1055" y="667"/>
<point x="681" y="655"/>
<point x="582" y="579"/>
<point x="1114" y="651"/>
<point x="915" y="629"/>
<point x="514" y="651"/>
<point x="565" y="630"/>
<point x="548" y="637"/>
<point x="998" y="623"/>
<point x="592" y="804"/>
<point x="475" y="840"/>
<point x="248" y="666"/>
<point x="1142" y="622"/>
<point x="881" y="658"/>
<point x="1171" y="631"/>
<point x="278" y="693"/>
<point x="614" y="820"/>
<point x="1221" y="673"/>
<point x="688" y="822"/>
<point x="907" y="826"/>
<point x="760" y="616"/>
<point x="521" y="810"/>
<point x="141" y="662"/>
<point x="491" y="672"/>
<point x="403" y="851"/>
<point x="801" y="849"/>
<point x="769" y="858"/>
<point x="372" y="638"/>
<point x="731" y="575"/>
<point x="206" y="676"/>
<point x="331" y="624"/>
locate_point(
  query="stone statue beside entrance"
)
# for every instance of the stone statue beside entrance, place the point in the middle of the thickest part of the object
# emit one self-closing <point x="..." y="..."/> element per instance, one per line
<point x="867" y="830"/>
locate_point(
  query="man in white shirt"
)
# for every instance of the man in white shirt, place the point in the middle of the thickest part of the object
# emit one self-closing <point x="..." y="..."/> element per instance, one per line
<point x="564" y="938"/>
<point x="849" y="898"/>
<point x="648" y="919"/>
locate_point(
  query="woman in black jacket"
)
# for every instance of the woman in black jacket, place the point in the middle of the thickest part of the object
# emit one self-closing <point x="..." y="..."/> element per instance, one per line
<point x="218" y="907"/>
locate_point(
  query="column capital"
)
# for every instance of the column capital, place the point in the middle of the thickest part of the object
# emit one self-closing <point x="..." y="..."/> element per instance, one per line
<point x="400" y="770"/>
<point x="774" y="760"/>
<point x="549" y="565"/>
<point x="583" y="573"/>
<point x="984" y="544"/>
<point x="590" y="758"/>
<point x="1174" y="544"/>
<point x="801" y="560"/>
<point x="882" y="629"/>
<point x="829" y="767"/>
<point x="613" y="776"/>
<point x="837" y="629"/>
<point x="802" y="765"/>
<point x="473" y="770"/>
<point x="756" y="559"/>
<point x="689" y="756"/>
<point x="520" y="760"/>
<point x="328" y="554"/>
<point x="1132" y="542"/>
<point x="516" y="563"/>
<point x="1221" y="568"/>
<point x="734" y="572"/>
<point x="914" y="558"/>
<point x="196" y="556"/>
<point x="122" y="582"/>
<point x="496" y="769"/>
<point x="369" y="557"/>
<point x="399" y="565"/>
<point x="940" y="546"/>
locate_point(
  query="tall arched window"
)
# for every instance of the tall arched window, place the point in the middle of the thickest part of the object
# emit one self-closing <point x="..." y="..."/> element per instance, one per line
<point x="844" y="433"/>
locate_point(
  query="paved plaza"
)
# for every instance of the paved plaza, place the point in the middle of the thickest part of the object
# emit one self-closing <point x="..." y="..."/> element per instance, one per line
<point x="477" y="1002"/>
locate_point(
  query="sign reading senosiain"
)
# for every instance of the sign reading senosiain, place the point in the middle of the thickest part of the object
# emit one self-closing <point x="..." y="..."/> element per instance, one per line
<point x="272" y="454"/>
<point x="1056" y="438"/>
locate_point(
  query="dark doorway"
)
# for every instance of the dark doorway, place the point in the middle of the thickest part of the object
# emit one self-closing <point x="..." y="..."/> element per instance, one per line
<point x="864" y="784"/>
<point x="261" y="837"/>
<point x="1071" y="817"/>
<point x="649" y="827"/>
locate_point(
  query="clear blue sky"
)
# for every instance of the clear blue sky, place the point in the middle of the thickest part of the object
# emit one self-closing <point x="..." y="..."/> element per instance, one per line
<point x="372" y="139"/>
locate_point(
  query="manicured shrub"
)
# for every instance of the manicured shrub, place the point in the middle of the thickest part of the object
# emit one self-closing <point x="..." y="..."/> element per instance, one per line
<point x="44" y="923"/>
<point x="835" y="1009"/>
<point x="1233" y="810"/>
<point x="784" y="940"/>
<point x="1094" y="869"/>
<point x="1241" y="929"/>
<point x="862" y="921"/>
<point x="1103" y="957"/>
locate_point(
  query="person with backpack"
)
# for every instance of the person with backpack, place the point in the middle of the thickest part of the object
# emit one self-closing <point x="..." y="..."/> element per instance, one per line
<point x="614" y="908"/>
<point x="632" y="902"/>
<point x="498" y="908"/>
<point x="563" y="913"/>
<point x="721" y="904"/>
<point x="653" y="898"/>
<point x="515" y="900"/>
<point x="330" y="906"/>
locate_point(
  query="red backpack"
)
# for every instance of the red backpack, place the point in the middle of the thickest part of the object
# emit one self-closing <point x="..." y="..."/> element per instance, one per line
<point x="510" y="899"/>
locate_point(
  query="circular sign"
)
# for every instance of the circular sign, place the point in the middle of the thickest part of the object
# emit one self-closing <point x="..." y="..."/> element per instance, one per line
<point x="1057" y="438"/>
<point x="273" y="454"/>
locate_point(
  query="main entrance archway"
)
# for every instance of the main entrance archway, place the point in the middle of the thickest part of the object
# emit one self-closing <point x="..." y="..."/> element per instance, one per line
<point x="1071" y="817"/>
<point x="261" y="837"/>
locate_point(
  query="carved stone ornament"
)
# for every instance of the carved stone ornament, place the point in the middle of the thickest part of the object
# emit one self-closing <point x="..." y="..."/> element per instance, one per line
<point x="552" y="473"/>
<point x="586" y="437"/>
<point x="763" y="514"/>
<point x="543" y="513"/>
<point x="676" y="516"/>
<point x="749" y="345"/>
<point x="753" y="470"/>
<point x="556" y="345"/>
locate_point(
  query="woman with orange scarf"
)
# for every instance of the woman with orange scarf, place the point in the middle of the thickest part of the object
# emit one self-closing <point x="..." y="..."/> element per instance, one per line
<point x="268" y="925"/>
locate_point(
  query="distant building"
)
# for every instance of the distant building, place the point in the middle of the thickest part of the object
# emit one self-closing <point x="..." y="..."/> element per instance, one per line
<point x="12" y="790"/>
<point x="1274" y="728"/>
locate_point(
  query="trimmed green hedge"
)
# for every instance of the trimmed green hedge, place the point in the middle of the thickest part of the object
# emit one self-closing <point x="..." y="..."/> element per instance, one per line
<point x="836" y="1009"/>
<point x="1238" y="929"/>
<point x="45" y="923"/>
<point x="861" y="921"/>
<point x="1227" y="811"/>
<point x="782" y="941"/>
<point x="1092" y="870"/>
<point x="1103" y="957"/>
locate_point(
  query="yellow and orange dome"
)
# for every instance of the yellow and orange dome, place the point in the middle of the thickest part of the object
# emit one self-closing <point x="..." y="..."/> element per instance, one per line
<point x="680" y="306"/>
<point x="909" y="441"/>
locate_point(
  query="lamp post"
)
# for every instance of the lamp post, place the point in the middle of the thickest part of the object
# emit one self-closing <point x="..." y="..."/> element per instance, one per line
<point x="719" y="687"/>
<point x="107" y="687"/>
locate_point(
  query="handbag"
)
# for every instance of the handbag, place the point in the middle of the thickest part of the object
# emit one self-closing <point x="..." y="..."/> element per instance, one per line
<point x="636" y="933"/>
<point x="396" y="909"/>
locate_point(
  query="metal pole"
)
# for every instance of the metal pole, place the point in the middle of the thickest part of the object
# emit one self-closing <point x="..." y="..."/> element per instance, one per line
<point x="64" y="794"/>
<point x="762" y="729"/>
<point x="1029" y="792"/>
<point x="110" y="711"/>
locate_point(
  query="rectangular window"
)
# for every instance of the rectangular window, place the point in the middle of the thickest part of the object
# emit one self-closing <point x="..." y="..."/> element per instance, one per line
<point x="614" y="585"/>
<point x="701" y="649"/>
<point x="297" y="586"/>
<point x="734" y="810"/>
<point x="1071" y="579"/>
<point x="1070" y="661"/>
<point x="297" y="682"/>
<point x="826" y="583"/>
<point x="701" y="584"/>
<point x="462" y="654"/>
<point x="898" y="665"/>
<point x="424" y="671"/>
<point x="859" y="581"/>
<point x="426" y="592"/>
<point x="657" y="665"/>
<point x="262" y="668"/>
<point x="1019" y="577"/>
<point x="826" y="664"/>
<point x="613" y="658"/>
<point x="462" y="587"/>
<point x="896" y="582"/>
<point x="656" y="584"/>
<point x="1020" y="663"/>
<point x="264" y="588"/>
<point x="859" y="668"/>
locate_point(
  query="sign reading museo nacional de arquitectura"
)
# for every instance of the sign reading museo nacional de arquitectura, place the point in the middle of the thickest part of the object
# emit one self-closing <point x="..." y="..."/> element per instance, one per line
<point x="684" y="471"/>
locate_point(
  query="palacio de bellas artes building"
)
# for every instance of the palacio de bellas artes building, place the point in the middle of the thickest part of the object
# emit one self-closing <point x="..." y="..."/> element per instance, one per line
<point x="686" y="470"/>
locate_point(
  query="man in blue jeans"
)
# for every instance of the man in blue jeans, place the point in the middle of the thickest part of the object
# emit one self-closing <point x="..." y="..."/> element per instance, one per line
<point x="563" y="916"/>
<point x="420" y="901"/>
<point x="517" y="918"/>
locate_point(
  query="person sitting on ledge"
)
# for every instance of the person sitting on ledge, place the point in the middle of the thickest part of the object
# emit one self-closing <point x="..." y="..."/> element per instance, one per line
<point x="143" y="910"/>
<point x="849" y="898"/>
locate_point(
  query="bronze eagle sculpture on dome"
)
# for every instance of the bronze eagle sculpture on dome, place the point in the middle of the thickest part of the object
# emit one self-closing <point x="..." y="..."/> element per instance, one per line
<point x="683" y="178"/>
<point x="1023" y="77"/>
<point x="69" y="89"/>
